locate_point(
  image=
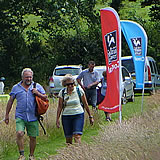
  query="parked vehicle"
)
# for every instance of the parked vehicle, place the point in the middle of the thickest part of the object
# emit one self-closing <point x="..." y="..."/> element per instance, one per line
<point x="100" y="70"/>
<point x="152" y="78"/>
<point x="59" y="72"/>
<point x="127" y="93"/>
<point x="127" y="85"/>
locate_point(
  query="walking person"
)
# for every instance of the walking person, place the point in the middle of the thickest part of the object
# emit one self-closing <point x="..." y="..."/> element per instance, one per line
<point x="69" y="105"/>
<point x="103" y="93"/>
<point x="90" y="79"/>
<point x="25" y="117"/>
<point x="2" y="85"/>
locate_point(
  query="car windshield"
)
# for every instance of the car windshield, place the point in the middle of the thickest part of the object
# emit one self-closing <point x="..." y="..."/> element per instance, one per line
<point x="128" y="63"/>
<point x="64" y="71"/>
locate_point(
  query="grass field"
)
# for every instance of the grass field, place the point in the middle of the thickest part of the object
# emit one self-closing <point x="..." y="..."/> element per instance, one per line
<point x="54" y="140"/>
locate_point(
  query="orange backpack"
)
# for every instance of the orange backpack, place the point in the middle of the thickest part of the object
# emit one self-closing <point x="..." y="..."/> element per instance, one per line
<point x="42" y="105"/>
<point x="41" y="108"/>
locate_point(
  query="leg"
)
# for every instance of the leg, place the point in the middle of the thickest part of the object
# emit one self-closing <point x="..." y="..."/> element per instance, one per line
<point x="69" y="140"/>
<point x="20" y="141"/>
<point x="78" y="124"/>
<point x="20" y="128"/>
<point x="93" y="95"/>
<point x="32" y="132"/>
<point x="88" y="96"/>
<point x="67" y="128"/>
<point x="32" y="145"/>
<point x="77" y="138"/>
<point x="108" y="116"/>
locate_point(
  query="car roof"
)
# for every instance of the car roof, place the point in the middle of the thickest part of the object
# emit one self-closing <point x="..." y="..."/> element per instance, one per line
<point x="126" y="57"/>
<point x="99" y="67"/>
<point x="151" y="58"/>
<point x="68" y="66"/>
<point x="130" y="57"/>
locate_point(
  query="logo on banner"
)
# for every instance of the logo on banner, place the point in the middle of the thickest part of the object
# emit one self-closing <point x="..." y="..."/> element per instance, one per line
<point x="111" y="42"/>
<point x="137" y="46"/>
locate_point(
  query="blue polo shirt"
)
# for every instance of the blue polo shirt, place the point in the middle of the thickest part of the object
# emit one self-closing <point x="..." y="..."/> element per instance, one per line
<point x="89" y="77"/>
<point x="25" y="108"/>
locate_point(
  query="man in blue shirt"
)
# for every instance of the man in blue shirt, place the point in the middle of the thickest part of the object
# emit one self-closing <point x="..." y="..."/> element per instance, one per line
<point x="90" y="79"/>
<point x="24" y="93"/>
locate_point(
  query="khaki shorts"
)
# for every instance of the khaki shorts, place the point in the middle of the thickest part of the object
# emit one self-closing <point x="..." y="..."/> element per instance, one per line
<point x="31" y="127"/>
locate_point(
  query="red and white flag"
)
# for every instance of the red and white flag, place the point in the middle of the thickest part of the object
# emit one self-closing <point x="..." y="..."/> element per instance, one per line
<point x="111" y="35"/>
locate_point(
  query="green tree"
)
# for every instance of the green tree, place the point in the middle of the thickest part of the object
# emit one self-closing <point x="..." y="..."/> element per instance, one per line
<point x="152" y="29"/>
<point x="154" y="9"/>
<point x="74" y="31"/>
<point x="15" y="52"/>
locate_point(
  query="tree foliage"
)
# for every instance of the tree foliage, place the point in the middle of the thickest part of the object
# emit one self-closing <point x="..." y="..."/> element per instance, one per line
<point x="154" y="9"/>
<point x="61" y="32"/>
<point x="152" y="29"/>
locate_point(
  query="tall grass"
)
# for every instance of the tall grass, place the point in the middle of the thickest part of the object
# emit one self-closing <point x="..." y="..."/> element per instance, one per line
<point x="107" y="140"/>
<point x="137" y="138"/>
<point x="46" y="145"/>
<point x="8" y="148"/>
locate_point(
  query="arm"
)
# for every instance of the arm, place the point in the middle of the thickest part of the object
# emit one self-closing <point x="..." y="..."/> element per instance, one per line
<point x="92" y="84"/>
<point x="79" y="82"/>
<point x="8" y="109"/>
<point x="84" y="100"/>
<point x="59" y="110"/>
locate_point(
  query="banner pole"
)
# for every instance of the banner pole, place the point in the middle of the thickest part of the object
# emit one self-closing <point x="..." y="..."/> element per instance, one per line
<point x="120" y="77"/>
<point x="120" y="91"/>
<point x="142" y="99"/>
<point x="120" y="115"/>
<point x="143" y="85"/>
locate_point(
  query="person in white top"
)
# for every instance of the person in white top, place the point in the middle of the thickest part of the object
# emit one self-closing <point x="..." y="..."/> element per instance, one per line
<point x="2" y="85"/>
<point x="69" y="105"/>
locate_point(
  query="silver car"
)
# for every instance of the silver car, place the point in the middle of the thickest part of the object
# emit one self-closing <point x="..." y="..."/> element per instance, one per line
<point x="59" y="72"/>
<point x="152" y="77"/>
<point x="127" y="92"/>
<point x="128" y="86"/>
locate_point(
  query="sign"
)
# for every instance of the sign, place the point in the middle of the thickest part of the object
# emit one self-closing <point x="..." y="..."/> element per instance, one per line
<point x="136" y="38"/>
<point x="111" y="36"/>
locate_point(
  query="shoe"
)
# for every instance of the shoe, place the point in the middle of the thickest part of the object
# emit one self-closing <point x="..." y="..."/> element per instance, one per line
<point x="108" y="119"/>
<point x="32" y="158"/>
<point x="94" y="109"/>
<point x="21" y="157"/>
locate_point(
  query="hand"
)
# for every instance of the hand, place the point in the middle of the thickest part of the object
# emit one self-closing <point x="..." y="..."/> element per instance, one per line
<point x="91" y="121"/>
<point x="6" y="120"/>
<point x="34" y="91"/>
<point x="58" y="124"/>
<point x="89" y="86"/>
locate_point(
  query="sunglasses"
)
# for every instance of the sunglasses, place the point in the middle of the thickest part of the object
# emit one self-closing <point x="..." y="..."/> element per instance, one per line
<point x="68" y="84"/>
